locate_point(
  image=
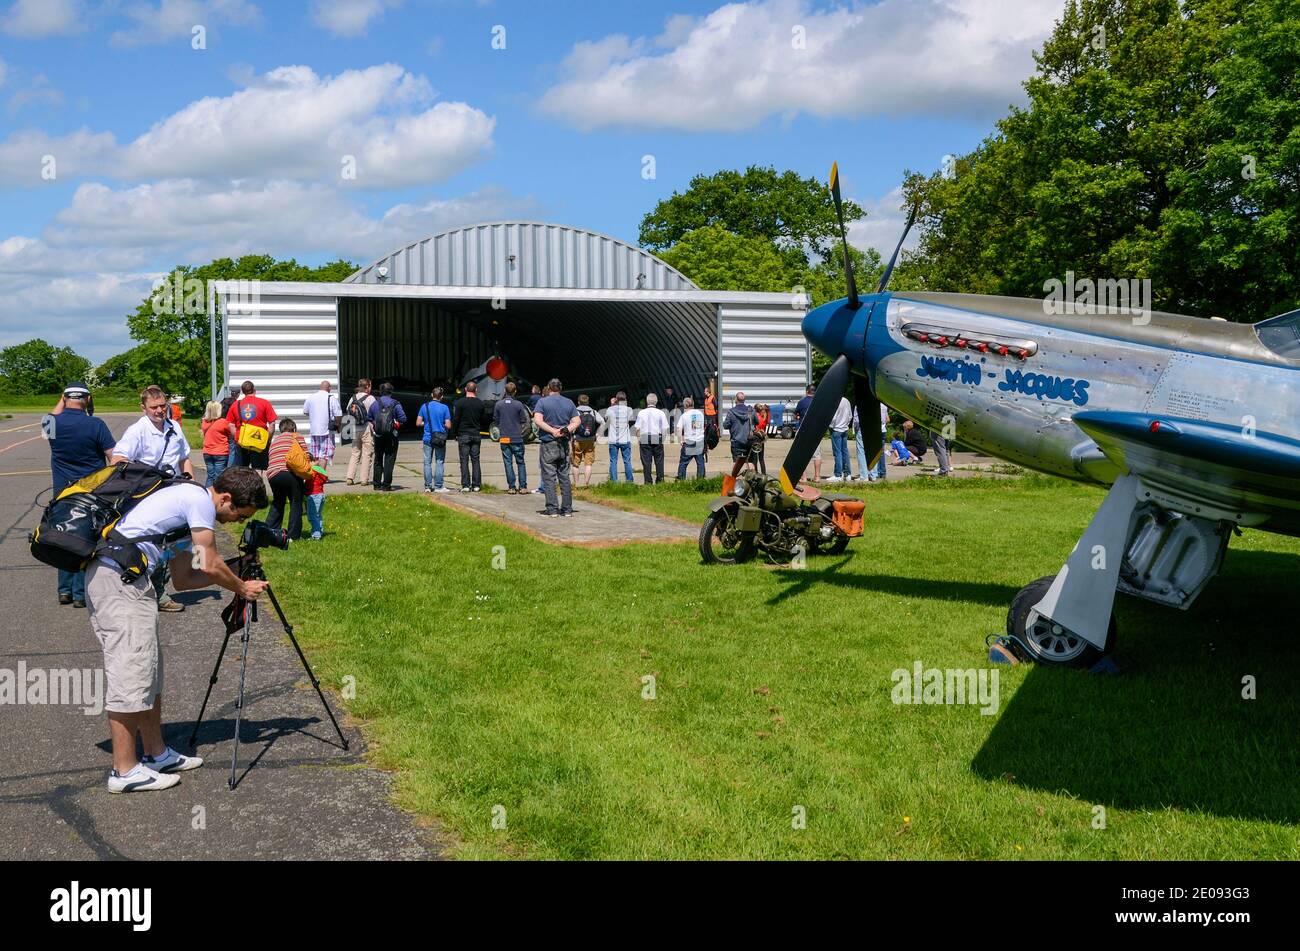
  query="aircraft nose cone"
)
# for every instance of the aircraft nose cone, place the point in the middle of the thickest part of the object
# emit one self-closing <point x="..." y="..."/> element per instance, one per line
<point x="825" y="327"/>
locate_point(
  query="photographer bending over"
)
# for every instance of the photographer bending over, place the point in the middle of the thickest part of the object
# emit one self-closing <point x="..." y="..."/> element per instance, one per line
<point x="124" y="616"/>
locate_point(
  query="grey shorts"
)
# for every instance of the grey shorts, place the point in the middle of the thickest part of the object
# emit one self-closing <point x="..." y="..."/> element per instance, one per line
<point x="125" y="619"/>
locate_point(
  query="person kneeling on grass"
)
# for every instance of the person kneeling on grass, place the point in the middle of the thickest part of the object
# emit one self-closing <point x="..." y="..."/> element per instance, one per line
<point x="124" y="616"/>
<point x="898" y="450"/>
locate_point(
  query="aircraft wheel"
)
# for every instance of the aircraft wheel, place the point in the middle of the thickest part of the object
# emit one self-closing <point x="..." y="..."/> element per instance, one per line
<point x="1047" y="642"/>
<point x="720" y="543"/>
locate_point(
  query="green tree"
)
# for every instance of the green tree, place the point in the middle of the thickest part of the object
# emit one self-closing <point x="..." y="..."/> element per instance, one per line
<point x="172" y="323"/>
<point x="116" y="372"/>
<point x="1161" y="141"/>
<point x="38" y="367"/>
<point x="825" y="281"/>
<point x="796" y="214"/>
<point x="719" y="260"/>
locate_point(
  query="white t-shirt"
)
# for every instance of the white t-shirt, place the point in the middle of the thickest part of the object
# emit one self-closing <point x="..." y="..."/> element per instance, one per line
<point x="145" y="442"/>
<point x="167" y="510"/>
<point x="651" y="422"/>
<point x="843" y="413"/>
<point x="320" y="408"/>
<point x="691" y="426"/>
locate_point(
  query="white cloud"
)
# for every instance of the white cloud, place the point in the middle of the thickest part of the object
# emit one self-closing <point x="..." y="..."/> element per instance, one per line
<point x="97" y="259"/>
<point x="36" y="19"/>
<point x="75" y="298"/>
<point x="40" y="92"/>
<point x="740" y="64"/>
<point x="348" y="18"/>
<point x="287" y="123"/>
<point x="192" y="220"/>
<point x="172" y="19"/>
<point x="883" y="225"/>
<point x="23" y="155"/>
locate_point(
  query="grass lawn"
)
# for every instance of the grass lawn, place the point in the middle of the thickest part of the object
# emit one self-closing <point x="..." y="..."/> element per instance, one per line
<point x="44" y="403"/>
<point x="519" y="692"/>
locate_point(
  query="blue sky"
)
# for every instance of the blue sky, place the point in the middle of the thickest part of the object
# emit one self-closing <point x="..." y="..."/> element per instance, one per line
<point x="163" y="153"/>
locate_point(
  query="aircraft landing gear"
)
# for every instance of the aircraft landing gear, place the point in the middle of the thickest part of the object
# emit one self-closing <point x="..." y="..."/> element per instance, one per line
<point x="1046" y="641"/>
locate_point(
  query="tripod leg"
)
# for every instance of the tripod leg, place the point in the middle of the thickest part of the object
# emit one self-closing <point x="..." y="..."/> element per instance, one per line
<point x="239" y="701"/>
<point x="212" y="682"/>
<point x="288" y="629"/>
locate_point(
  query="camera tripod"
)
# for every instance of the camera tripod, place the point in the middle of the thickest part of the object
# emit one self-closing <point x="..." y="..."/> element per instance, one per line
<point x="248" y="566"/>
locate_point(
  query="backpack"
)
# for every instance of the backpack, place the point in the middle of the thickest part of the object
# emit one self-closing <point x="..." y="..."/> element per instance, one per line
<point x="711" y="434"/>
<point x="384" y="420"/>
<point x="357" y="410"/>
<point x="588" y="428"/>
<point x="79" y="522"/>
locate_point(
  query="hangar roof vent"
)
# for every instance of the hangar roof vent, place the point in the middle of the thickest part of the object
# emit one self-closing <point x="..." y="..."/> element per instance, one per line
<point x="523" y="254"/>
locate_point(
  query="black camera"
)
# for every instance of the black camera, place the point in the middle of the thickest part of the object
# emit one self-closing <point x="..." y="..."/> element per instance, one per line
<point x="258" y="534"/>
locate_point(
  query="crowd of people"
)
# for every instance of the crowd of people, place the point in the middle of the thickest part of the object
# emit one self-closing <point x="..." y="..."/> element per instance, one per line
<point x="255" y="459"/>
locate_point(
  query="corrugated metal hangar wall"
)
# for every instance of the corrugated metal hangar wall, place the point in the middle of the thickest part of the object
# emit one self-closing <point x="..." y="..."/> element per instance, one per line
<point x="555" y="301"/>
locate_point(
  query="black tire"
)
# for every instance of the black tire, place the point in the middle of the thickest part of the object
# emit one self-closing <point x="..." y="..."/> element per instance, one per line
<point x="835" y="547"/>
<point x="719" y="546"/>
<point x="1057" y="648"/>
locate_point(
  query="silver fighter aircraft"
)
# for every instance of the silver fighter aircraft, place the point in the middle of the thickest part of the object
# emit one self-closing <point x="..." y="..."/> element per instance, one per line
<point x="1192" y="423"/>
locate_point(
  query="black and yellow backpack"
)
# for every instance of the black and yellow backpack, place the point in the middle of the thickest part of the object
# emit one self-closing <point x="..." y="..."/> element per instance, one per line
<point x="78" y="523"/>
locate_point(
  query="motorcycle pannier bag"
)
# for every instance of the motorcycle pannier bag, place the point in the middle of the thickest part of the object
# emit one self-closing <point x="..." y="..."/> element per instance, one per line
<point x="847" y="516"/>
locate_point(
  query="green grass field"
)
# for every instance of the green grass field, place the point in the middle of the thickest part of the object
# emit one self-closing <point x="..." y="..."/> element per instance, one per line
<point x="104" y="403"/>
<point x="519" y="692"/>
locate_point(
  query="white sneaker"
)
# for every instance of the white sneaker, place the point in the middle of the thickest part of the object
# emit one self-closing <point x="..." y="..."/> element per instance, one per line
<point x="140" y="779"/>
<point x="833" y="479"/>
<point x="443" y="489"/>
<point x="171" y="761"/>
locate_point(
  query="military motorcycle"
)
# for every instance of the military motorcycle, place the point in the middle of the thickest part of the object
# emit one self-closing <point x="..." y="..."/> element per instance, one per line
<point x="753" y="515"/>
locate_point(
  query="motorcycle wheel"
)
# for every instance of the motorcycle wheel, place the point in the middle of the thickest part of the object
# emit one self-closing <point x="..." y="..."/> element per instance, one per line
<point x="720" y="543"/>
<point x="835" y="547"/>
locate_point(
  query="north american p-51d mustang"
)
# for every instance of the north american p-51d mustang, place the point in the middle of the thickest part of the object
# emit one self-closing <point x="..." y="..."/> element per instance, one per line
<point x="1194" y="424"/>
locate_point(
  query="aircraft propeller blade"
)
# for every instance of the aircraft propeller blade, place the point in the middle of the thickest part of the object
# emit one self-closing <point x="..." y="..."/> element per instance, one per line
<point x="854" y="302"/>
<point x="873" y="443"/>
<point x="889" y="269"/>
<point x="814" y="425"/>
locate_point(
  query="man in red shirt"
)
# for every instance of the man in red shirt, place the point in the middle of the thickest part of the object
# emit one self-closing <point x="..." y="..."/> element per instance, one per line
<point x="250" y="410"/>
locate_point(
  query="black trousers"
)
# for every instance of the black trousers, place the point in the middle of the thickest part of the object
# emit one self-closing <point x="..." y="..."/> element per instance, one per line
<point x="652" y="453"/>
<point x="385" y="459"/>
<point x="286" y="486"/>
<point x="253" y="459"/>
<point x="470" y="473"/>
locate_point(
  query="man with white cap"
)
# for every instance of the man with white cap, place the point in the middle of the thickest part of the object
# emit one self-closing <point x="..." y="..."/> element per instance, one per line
<point x="79" y="445"/>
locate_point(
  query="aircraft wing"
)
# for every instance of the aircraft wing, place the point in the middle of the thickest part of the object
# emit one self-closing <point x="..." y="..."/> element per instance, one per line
<point x="1232" y="468"/>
